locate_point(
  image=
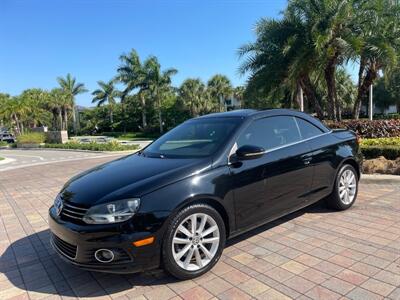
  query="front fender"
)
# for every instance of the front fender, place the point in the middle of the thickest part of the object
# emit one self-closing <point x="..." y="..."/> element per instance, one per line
<point x="213" y="185"/>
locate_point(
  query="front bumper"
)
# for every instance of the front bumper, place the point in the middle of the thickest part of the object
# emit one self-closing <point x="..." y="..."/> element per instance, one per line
<point x="77" y="244"/>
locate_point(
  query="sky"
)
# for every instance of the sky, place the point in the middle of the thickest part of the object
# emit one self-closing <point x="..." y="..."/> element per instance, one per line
<point x="43" y="39"/>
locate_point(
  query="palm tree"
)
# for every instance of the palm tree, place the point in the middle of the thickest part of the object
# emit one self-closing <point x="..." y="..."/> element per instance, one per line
<point x="194" y="94"/>
<point x="330" y="24"/>
<point x="238" y="93"/>
<point x="158" y="82"/>
<point x="281" y="60"/>
<point x="55" y="105"/>
<point x="14" y="111"/>
<point x="378" y="26"/>
<point x="220" y="88"/>
<point x="107" y="93"/>
<point x="71" y="88"/>
<point x="132" y="74"/>
<point x="35" y="101"/>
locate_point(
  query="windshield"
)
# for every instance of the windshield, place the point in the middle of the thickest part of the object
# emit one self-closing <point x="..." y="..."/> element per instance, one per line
<point x="195" y="138"/>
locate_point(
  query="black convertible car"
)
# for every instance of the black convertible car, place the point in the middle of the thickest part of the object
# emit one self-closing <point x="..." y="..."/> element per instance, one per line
<point x="176" y="202"/>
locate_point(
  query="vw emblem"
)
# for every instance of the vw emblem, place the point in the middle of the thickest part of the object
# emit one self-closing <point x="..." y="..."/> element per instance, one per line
<point x="58" y="205"/>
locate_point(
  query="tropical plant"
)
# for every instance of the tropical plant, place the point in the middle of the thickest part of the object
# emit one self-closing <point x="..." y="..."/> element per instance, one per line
<point x="71" y="88"/>
<point x="238" y="92"/>
<point x="329" y="24"/>
<point x="219" y="87"/>
<point x="34" y="101"/>
<point x="282" y="59"/>
<point x="195" y="96"/>
<point x="378" y="26"/>
<point x="159" y="84"/>
<point x="132" y="73"/>
<point x="107" y="93"/>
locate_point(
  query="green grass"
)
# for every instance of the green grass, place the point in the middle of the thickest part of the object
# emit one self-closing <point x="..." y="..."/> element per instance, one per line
<point x="1" y="158"/>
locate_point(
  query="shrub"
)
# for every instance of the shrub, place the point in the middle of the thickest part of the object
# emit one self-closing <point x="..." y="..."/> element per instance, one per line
<point x="369" y="129"/>
<point x="2" y="144"/>
<point x="388" y="116"/>
<point x="395" y="141"/>
<point x="389" y="152"/>
<point x="93" y="146"/>
<point x="31" y="138"/>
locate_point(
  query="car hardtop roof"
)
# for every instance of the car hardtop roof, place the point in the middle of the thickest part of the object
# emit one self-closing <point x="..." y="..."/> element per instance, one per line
<point x="245" y="113"/>
<point x="256" y="114"/>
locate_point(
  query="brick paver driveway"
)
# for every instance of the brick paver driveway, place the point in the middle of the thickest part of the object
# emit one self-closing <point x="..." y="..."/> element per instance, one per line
<point x="314" y="253"/>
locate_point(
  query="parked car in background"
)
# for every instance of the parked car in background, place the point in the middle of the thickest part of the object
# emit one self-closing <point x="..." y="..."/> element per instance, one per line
<point x="7" y="137"/>
<point x="177" y="201"/>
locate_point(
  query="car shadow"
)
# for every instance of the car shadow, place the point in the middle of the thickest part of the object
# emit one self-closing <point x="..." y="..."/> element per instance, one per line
<point x="31" y="264"/>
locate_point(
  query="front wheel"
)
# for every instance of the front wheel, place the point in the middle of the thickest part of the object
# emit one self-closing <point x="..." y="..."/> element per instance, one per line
<point x="345" y="190"/>
<point x="194" y="241"/>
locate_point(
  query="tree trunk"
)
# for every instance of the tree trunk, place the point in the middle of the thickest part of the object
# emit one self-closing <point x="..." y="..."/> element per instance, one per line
<point x="144" y="120"/>
<point x="309" y="91"/>
<point x="357" y="103"/>
<point x="329" y="73"/>
<point x="338" y="108"/>
<point x="73" y="119"/>
<point x="160" y="121"/>
<point x="60" y="118"/>
<point x="363" y="86"/>
<point x="111" y="117"/>
<point x="66" y="119"/>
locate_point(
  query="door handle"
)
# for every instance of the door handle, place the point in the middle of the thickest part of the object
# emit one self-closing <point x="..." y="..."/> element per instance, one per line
<point x="307" y="160"/>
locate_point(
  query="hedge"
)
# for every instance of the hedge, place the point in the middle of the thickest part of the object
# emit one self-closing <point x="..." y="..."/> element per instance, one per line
<point x="389" y="152"/>
<point x="111" y="146"/>
<point x="395" y="141"/>
<point x="31" y="138"/>
<point x="369" y="129"/>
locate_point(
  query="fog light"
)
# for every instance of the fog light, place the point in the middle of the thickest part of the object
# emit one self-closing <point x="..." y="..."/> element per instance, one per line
<point x="104" y="255"/>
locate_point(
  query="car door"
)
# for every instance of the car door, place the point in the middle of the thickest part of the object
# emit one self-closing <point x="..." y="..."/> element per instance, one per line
<point x="277" y="182"/>
<point x="323" y="155"/>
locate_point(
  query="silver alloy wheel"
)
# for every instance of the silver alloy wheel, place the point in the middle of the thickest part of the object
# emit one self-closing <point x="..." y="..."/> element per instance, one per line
<point x="195" y="242"/>
<point x="347" y="187"/>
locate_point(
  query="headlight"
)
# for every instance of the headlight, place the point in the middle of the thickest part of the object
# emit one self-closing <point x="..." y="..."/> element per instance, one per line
<point x="112" y="212"/>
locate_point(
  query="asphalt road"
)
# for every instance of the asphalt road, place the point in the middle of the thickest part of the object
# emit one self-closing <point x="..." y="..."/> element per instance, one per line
<point x="15" y="158"/>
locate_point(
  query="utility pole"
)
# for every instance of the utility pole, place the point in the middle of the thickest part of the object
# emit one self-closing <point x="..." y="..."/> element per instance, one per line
<point x="371" y="105"/>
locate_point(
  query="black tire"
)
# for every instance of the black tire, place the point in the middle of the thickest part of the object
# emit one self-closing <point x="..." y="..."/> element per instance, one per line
<point x="169" y="263"/>
<point x="333" y="200"/>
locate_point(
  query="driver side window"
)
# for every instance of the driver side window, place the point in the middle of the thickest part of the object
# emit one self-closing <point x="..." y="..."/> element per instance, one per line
<point x="271" y="132"/>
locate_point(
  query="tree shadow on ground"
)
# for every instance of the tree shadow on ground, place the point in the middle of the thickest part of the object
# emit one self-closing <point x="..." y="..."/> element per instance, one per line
<point x="31" y="264"/>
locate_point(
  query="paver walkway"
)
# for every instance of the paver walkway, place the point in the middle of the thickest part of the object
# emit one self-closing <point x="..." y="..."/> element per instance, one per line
<point x="312" y="254"/>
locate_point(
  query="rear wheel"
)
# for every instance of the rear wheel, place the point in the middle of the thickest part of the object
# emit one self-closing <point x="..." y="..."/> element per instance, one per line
<point x="194" y="241"/>
<point x="345" y="189"/>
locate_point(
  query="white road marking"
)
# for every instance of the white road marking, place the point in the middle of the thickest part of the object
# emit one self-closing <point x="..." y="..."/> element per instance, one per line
<point x="36" y="156"/>
<point x="53" y="162"/>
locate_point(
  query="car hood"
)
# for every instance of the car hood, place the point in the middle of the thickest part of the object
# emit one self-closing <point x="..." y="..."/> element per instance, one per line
<point x="129" y="176"/>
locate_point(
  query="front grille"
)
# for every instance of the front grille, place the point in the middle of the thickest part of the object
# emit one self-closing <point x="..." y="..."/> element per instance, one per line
<point x="65" y="248"/>
<point x="72" y="212"/>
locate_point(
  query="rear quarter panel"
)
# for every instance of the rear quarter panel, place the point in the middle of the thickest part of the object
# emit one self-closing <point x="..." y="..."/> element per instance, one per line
<point x="329" y="152"/>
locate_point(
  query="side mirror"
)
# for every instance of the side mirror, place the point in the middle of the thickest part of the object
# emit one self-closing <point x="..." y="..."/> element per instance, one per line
<point x="247" y="152"/>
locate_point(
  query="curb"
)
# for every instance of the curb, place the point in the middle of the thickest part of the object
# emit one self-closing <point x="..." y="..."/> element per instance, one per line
<point x="380" y="179"/>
